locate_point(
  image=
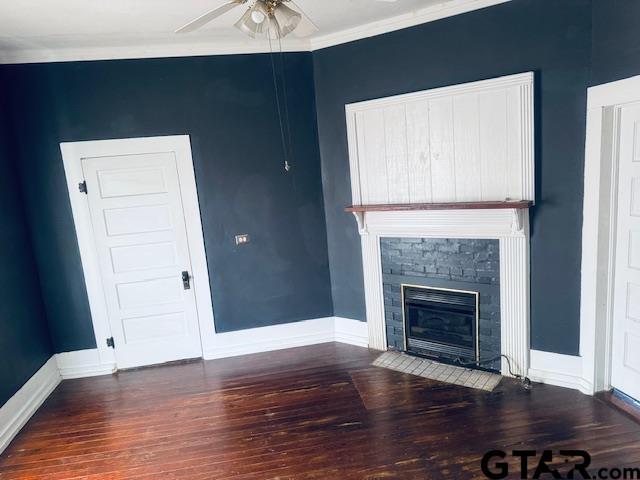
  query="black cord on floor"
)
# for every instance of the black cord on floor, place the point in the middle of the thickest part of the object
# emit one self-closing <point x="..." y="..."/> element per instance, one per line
<point x="524" y="380"/>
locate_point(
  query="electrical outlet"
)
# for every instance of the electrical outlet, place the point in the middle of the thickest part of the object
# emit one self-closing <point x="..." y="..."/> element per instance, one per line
<point x="242" y="239"/>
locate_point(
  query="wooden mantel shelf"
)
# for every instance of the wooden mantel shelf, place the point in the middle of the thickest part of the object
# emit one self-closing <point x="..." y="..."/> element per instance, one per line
<point x="517" y="208"/>
<point x="515" y="204"/>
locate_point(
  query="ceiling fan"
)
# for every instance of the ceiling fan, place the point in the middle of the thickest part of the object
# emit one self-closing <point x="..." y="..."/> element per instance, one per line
<point x="272" y="17"/>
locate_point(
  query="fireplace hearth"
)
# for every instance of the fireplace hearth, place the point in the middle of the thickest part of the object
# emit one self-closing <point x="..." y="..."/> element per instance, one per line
<point x="441" y="323"/>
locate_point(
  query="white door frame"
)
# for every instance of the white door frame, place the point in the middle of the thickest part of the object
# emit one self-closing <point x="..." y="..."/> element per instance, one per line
<point x="72" y="155"/>
<point x="599" y="226"/>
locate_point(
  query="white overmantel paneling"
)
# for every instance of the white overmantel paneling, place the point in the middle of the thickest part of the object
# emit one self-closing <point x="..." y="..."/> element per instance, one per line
<point x="461" y="143"/>
<point x="464" y="143"/>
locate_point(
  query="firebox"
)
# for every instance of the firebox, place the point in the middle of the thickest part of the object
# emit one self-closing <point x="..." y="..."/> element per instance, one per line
<point x="441" y="323"/>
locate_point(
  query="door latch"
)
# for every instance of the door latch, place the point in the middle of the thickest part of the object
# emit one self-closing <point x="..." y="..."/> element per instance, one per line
<point x="186" y="280"/>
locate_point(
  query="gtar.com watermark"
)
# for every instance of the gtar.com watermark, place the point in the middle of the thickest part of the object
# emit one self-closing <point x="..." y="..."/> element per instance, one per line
<point x="533" y="464"/>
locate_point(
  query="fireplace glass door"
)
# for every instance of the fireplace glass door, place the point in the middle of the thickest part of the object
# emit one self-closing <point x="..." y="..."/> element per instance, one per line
<point x="441" y="323"/>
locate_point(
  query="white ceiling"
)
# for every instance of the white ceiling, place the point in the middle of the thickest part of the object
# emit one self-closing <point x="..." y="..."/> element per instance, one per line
<point x="62" y="30"/>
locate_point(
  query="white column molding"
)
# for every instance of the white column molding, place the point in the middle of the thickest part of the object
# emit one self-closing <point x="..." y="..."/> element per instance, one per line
<point x="484" y="224"/>
<point x="374" y="302"/>
<point x="514" y="302"/>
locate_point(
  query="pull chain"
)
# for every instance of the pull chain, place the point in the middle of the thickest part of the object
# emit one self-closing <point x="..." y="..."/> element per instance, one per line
<point x="285" y="149"/>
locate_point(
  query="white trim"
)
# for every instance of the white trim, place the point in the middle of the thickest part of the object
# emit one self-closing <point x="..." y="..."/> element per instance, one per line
<point x="598" y="228"/>
<point x="72" y="153"/>
<point x="417" y="17"/>
<point x="288" y="335"/>
<point x="86" y="363"/>
<point x="82" y="364"/>
<point x="613" y="93"/>
<point x="517" y="80"/>
<point x="559" y="370"/>
<point x="352" y="332"/>
<point x="195" y="49"/>
<point x="275" y="337"/>
<point x="17" y="411"/>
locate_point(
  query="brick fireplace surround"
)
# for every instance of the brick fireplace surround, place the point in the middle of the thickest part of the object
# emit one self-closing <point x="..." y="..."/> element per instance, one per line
<point x="463" y="264"/>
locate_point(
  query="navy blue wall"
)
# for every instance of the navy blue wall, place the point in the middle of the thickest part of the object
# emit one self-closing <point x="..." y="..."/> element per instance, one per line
<point x="227" y="105"/>
<point x="24" y="339"/>
<point x="616" y="40"/>
<point x="552" y="38"/>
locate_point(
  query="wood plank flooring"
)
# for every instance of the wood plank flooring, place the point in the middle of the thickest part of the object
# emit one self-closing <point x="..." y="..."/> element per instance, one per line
<point x="314" y="412"/>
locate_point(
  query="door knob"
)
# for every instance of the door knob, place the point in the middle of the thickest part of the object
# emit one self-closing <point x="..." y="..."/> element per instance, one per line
<point x="186" y="280"/>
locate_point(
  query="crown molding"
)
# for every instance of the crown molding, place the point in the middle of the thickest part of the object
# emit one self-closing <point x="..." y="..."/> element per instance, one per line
<point x="418" y="17"/>
<point x="144" y="51"/>
<point x="200" y="48"/>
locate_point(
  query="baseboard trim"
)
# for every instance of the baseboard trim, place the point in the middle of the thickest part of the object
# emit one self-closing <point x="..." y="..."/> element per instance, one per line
<point x="352" y="332"/>
<point x="82" y="364"/>
<point x="289" y="335"/>
<point x="20" y="408"/>
<point x="559" y="370"/>
<point x="86" y="363"/>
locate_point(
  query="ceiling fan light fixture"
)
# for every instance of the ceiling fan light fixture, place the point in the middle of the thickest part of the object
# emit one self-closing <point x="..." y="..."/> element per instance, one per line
<point x="259" y="12"/>
<point x="248" y="25"/>
<point x="272" y="17"/>
<point x="286" y="18"/>
<point x="272" y="28"/>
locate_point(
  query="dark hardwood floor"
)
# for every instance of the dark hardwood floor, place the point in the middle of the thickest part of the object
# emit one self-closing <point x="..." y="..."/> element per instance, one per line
<point x="314" y="412"/>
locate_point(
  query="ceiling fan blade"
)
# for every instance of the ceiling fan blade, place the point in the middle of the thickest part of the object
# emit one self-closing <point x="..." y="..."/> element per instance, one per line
<point x="306" y="26"/>
<point x="209" y="16"/>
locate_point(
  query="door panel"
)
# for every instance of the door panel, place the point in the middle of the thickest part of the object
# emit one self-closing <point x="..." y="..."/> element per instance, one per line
<point x="625" y="372"/>
<point x="634" y="250"/>
<point x="141" y="242"/>
<point x="144" y="329"/>
<point x="127" y="182"/>
<point x="137" y="219"/>
<point x="635" y="197"/>
<point x="631" y="347"/>
<point x="144" y="256"/>
<point x="155" y="291"/>
<point x="633" y="302"/>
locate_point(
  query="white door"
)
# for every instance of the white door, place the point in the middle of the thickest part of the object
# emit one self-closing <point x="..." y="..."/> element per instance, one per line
<point x="141" y="243"/>
<point x="625" y="373"/>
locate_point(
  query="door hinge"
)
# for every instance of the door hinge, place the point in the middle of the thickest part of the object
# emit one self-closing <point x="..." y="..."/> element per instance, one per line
<point x="186" y="280"/>
<point x="82" y="186"/>
<point x="111" y="342"/>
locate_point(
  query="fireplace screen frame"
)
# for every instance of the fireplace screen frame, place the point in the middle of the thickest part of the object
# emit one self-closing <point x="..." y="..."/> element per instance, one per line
<point x="404" y="286"/>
